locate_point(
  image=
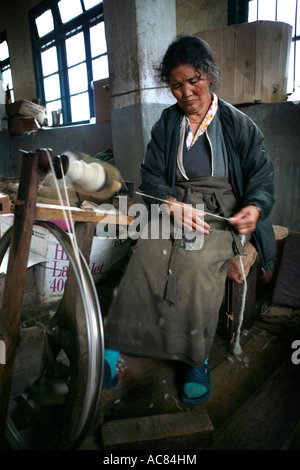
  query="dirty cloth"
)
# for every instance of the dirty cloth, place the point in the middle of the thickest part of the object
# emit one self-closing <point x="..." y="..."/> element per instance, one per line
<point x="168" y="302"/>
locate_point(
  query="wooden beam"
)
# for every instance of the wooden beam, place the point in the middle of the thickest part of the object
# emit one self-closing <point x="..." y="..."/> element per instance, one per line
<point x="171" y="431"/>
<point x="53" y="212"/>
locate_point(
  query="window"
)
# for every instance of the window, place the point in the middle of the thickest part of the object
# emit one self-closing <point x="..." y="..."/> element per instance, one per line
<point x="70" y="52"/>
<point x="5" y="69"/>
<point x="286" y="11"/>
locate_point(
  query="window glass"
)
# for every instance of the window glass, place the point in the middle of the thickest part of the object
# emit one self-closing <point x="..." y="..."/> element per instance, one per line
<point x="49" y="61"/>
<point x="12" y="95"/>
<point x="100" y="68"/>
<point x="98" y="41"/>
<point x="267" y="10"/>
<point x="53" y="106"/>
<point x="290" y="82"/>
<point x="297" y="69"/>
<point x="286" y="12"/>
<point x="4" y="54"/>
<point x="44" y="23"/>
<point x="52" y="88"/>
<point x="78" y="78"/>
<point x="80" y="107"/>
<point x="5" y="69"/>
<point x="7" y="77"/>
<point x="75" y="49"/>
<point x="90" y="3"/>
<point x="252" y="10"/>
<point x="73" y="54"/>
<point x="69" y="9"/>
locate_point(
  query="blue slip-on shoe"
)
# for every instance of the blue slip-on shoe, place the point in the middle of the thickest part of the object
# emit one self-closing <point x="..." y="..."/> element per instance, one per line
<point x="108" y="380"/>
<point x="196" y="376"/>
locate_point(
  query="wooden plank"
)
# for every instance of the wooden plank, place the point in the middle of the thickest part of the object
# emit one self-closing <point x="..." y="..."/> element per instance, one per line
<point x="268" y="417"/>
<point x="53" y="212"/>
<point x="294" y="439"/>
<point x="245" y="54"/>
<point x="189" y="430"/>
<point x="235" y="379"/>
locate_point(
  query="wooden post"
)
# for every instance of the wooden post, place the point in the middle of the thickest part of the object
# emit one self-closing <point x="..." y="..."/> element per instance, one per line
<point x="16" y="274"/>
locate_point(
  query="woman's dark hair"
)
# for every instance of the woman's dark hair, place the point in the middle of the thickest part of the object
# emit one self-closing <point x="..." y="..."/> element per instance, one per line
<point x="192" y="51"/>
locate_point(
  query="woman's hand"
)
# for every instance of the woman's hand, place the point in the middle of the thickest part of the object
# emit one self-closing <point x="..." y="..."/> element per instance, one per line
<point x="245" y="220"/>
<point x="186" y="216"/>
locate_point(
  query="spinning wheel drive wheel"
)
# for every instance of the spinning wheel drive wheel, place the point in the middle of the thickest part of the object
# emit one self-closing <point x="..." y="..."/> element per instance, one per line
<point x="56" y="391"/>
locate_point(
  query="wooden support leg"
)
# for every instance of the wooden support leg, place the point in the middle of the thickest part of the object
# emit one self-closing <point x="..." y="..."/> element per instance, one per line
<point x="16" y="273"/>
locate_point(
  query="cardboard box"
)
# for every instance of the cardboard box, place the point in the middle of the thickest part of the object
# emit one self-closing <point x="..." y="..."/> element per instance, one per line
<point x="102" y="100"/>
<point x="37" y="248"/>
<point x="51" y="274"/>
<point x="4" y="204"/>
<point x="48" y="195"/>
<point x="28" y="109"/>
<point x="254" y="60"/>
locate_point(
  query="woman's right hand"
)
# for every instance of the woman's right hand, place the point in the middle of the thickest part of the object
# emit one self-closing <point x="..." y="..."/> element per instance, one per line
<point x="186" y="216"/>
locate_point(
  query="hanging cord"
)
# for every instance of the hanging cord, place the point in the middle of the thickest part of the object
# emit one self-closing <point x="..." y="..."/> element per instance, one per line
<point x="69" y="222"/>
<point x="237" y="350"/>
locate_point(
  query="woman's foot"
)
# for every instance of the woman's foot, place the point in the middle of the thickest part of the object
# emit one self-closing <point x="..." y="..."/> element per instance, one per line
<point x="110" y="365"/>
<point x="197" y="384"/>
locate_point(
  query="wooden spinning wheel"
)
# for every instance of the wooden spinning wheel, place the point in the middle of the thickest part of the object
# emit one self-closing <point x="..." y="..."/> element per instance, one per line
<point x="55" y="404"/>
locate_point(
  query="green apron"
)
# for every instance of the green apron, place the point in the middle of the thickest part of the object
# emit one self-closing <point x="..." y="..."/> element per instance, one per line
<point x="167" y="304"/>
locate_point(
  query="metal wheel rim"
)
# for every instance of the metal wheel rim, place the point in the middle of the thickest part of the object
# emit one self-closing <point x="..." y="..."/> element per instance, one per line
<point x="95" y="340"/>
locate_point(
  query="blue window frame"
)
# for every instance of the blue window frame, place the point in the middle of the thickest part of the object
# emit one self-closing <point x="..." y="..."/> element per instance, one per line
<point x="70" y="52"/>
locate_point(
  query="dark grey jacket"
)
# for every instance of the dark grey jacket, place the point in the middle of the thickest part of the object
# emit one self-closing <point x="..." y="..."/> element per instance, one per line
<point x="250" y="169"/>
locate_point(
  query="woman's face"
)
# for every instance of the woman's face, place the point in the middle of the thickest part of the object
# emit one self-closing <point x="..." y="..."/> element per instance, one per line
<point x="191" y="89"/>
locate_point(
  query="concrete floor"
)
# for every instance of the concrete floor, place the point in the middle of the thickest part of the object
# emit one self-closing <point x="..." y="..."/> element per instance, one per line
<point x="150" y="388"/>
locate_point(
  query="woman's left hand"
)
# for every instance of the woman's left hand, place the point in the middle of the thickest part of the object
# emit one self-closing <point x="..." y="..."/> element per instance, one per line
<point x="246" y="219"/>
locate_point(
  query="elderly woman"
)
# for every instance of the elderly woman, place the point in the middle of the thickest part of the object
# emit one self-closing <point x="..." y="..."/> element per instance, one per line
<point x="203" y="152"/>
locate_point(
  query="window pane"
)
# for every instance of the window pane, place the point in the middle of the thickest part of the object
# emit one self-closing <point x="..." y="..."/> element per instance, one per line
<point x="7" y="78"/>
<point x="286" y="12"/>
<point x="290" y="81"/>
<point x="98" y="41"/>
<point x="78" y="79"/>
<point x="75" y="49"/>
<point x="90" y="3"/>
<point x="252" y="10"/>
<point x="267" y="10"/>
<point x="53" y="106"/>
<point x="80" y="107"/>
<point x="44" y="23"/>
<point x="49" y="61"/>
<point x="52" y="88"/>
<point x="4" y="54"/>
<point x="100" y="68"/>
<point x="69" y="9"/>
<point x="297" y="71"/>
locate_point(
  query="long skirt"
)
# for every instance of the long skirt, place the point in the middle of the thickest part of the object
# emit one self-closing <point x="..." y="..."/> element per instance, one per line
<point x="168" y="301"/>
